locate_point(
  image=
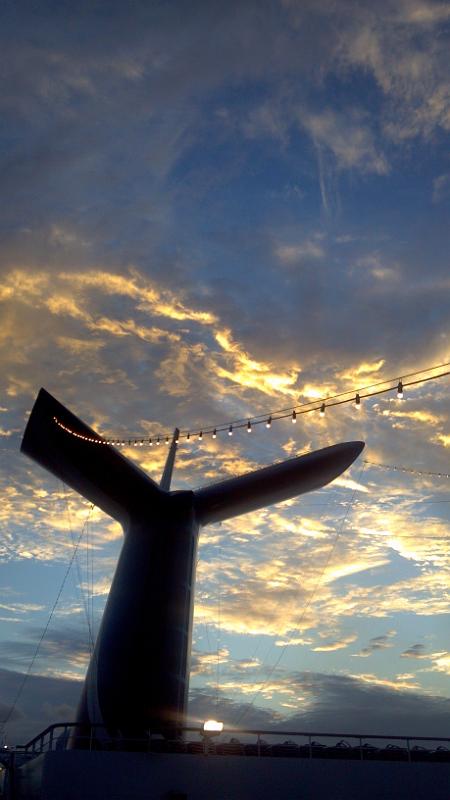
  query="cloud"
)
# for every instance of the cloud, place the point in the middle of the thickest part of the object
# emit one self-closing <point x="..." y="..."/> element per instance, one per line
<point x="415" y="651"/>
<point x="204" y="663"/>
<point x="407" y="63"/>
<point x="377" y="643"/>
<point x="43" y="701"/>
<point x="441" y="662"/>
<point x="243" y="370"/>
<point x="148" y="279"/>
<point x="369" y="706"/>
<point x="441" y="187"/>
<point x="290" y="254"/>
<point x="423" y="13"/>
<point x="347" y="136"/>
<point x="335" y="644"/>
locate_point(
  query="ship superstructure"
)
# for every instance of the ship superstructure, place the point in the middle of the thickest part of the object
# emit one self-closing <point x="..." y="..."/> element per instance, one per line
<point x="129" y="739"/>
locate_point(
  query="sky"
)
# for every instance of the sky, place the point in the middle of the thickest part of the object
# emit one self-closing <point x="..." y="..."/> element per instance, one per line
<point x="211" y="211"/>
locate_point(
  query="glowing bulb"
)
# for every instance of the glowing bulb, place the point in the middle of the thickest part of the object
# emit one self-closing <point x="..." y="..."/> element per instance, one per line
<point x="167" y="440"/>
<point x="150" y="442"/>
<point x="322" y="410"/>
<point x="214" y="435"/>
<point x="177" y="440"/>
<point x="358" y="402"/>
<point x="249" y="427"/>
<point x="230" y="431"/>
<point x="269" y="422"/>
<point x="158" y="441"/>
<point x="200" y="436"/>
<point x="294" y="416"/>
<point x="400" y="390"/>
<point x="212" y="726"/>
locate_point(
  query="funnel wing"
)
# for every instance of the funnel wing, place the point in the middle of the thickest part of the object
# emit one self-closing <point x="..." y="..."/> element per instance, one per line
<point x="94" y="469"/>
<point x="275" y="483"/>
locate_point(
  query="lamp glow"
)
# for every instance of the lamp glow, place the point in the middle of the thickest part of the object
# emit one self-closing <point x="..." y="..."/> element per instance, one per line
<point x="249" y="427"/>
<point x="358" y="402"/>
<point x="400" y="390"/>
<point x="212" y="726"/>
<point x="322" y="410"/>
<point x="230" y="431"/>
<point x="294" y="416"/>
<point x="214" y="434"/>
<point x="269" y="422"/>
<point x="200" y="436"/>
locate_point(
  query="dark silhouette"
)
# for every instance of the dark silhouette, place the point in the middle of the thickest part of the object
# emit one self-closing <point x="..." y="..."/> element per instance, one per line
<point x="138" y="676"/>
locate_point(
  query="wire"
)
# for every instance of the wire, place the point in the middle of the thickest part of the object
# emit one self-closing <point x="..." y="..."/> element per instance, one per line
<point x="85" y="600"/>
<point x="260" y="419"/>
<point x="218" y="636"/>
<point x="409" y="470"/>
<point x="4" y="722"/>
<point x="305" y="609"/>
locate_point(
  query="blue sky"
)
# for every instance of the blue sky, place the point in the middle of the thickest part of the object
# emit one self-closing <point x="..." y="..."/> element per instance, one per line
<point x="210" y="211"/>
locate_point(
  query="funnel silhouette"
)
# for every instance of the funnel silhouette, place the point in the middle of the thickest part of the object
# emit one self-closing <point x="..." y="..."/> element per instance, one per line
<point x="139" y="672"/>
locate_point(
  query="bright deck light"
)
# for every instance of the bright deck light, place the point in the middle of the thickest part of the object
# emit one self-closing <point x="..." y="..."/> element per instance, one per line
<point x="212" y="726"/>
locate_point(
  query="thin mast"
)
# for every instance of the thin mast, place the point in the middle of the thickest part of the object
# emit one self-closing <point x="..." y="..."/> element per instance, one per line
<point x="168" y="469"/>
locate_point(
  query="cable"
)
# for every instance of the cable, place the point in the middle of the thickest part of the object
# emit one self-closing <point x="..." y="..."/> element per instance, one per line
<point x="311" y="598"/>
<point x="4" y="722"/>
<point x="85" y="601"/>
<point x="409" y="470"/>
<point x="268" y="417"/>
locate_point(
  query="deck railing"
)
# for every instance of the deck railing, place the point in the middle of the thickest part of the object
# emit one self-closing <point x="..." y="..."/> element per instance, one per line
<point x="247" y="742"/>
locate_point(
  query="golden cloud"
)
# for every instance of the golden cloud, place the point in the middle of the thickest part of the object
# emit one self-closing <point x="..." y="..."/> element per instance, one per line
<point x="337" y="644"/>
<point x="246" y="371"/>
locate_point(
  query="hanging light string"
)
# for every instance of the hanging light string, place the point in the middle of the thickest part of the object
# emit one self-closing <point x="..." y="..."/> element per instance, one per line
<point x="409" y="470"/>
<point x="320" y="405"/>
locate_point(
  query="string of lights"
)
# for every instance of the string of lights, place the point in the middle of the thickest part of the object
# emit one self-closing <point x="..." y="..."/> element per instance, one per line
<point x="267" y="419"/>
<point x="409" y="470"/>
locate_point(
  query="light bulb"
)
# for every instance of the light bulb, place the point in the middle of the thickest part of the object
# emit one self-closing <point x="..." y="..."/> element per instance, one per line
<point x="358" y="402"/>
<point x="322" y="410"/>
<point x="200" y="436"/>
<point x="294" y="416"/>
<point x="230" y="431"/>
<point x="214" y="435"/>
<point x="249" y="427"/>
<point x="269" y="422"/>
<point x="400" y="390"/>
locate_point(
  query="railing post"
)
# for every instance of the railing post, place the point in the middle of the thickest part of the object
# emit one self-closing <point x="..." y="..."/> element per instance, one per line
<point x="409" y="749"/>
<point x="360" y="748"/>
<point x="310" y="746"/>
<point x="50" y="740"/>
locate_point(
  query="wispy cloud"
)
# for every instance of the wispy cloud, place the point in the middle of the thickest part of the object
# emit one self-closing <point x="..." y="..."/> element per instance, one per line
<point x="377" y="643"/>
